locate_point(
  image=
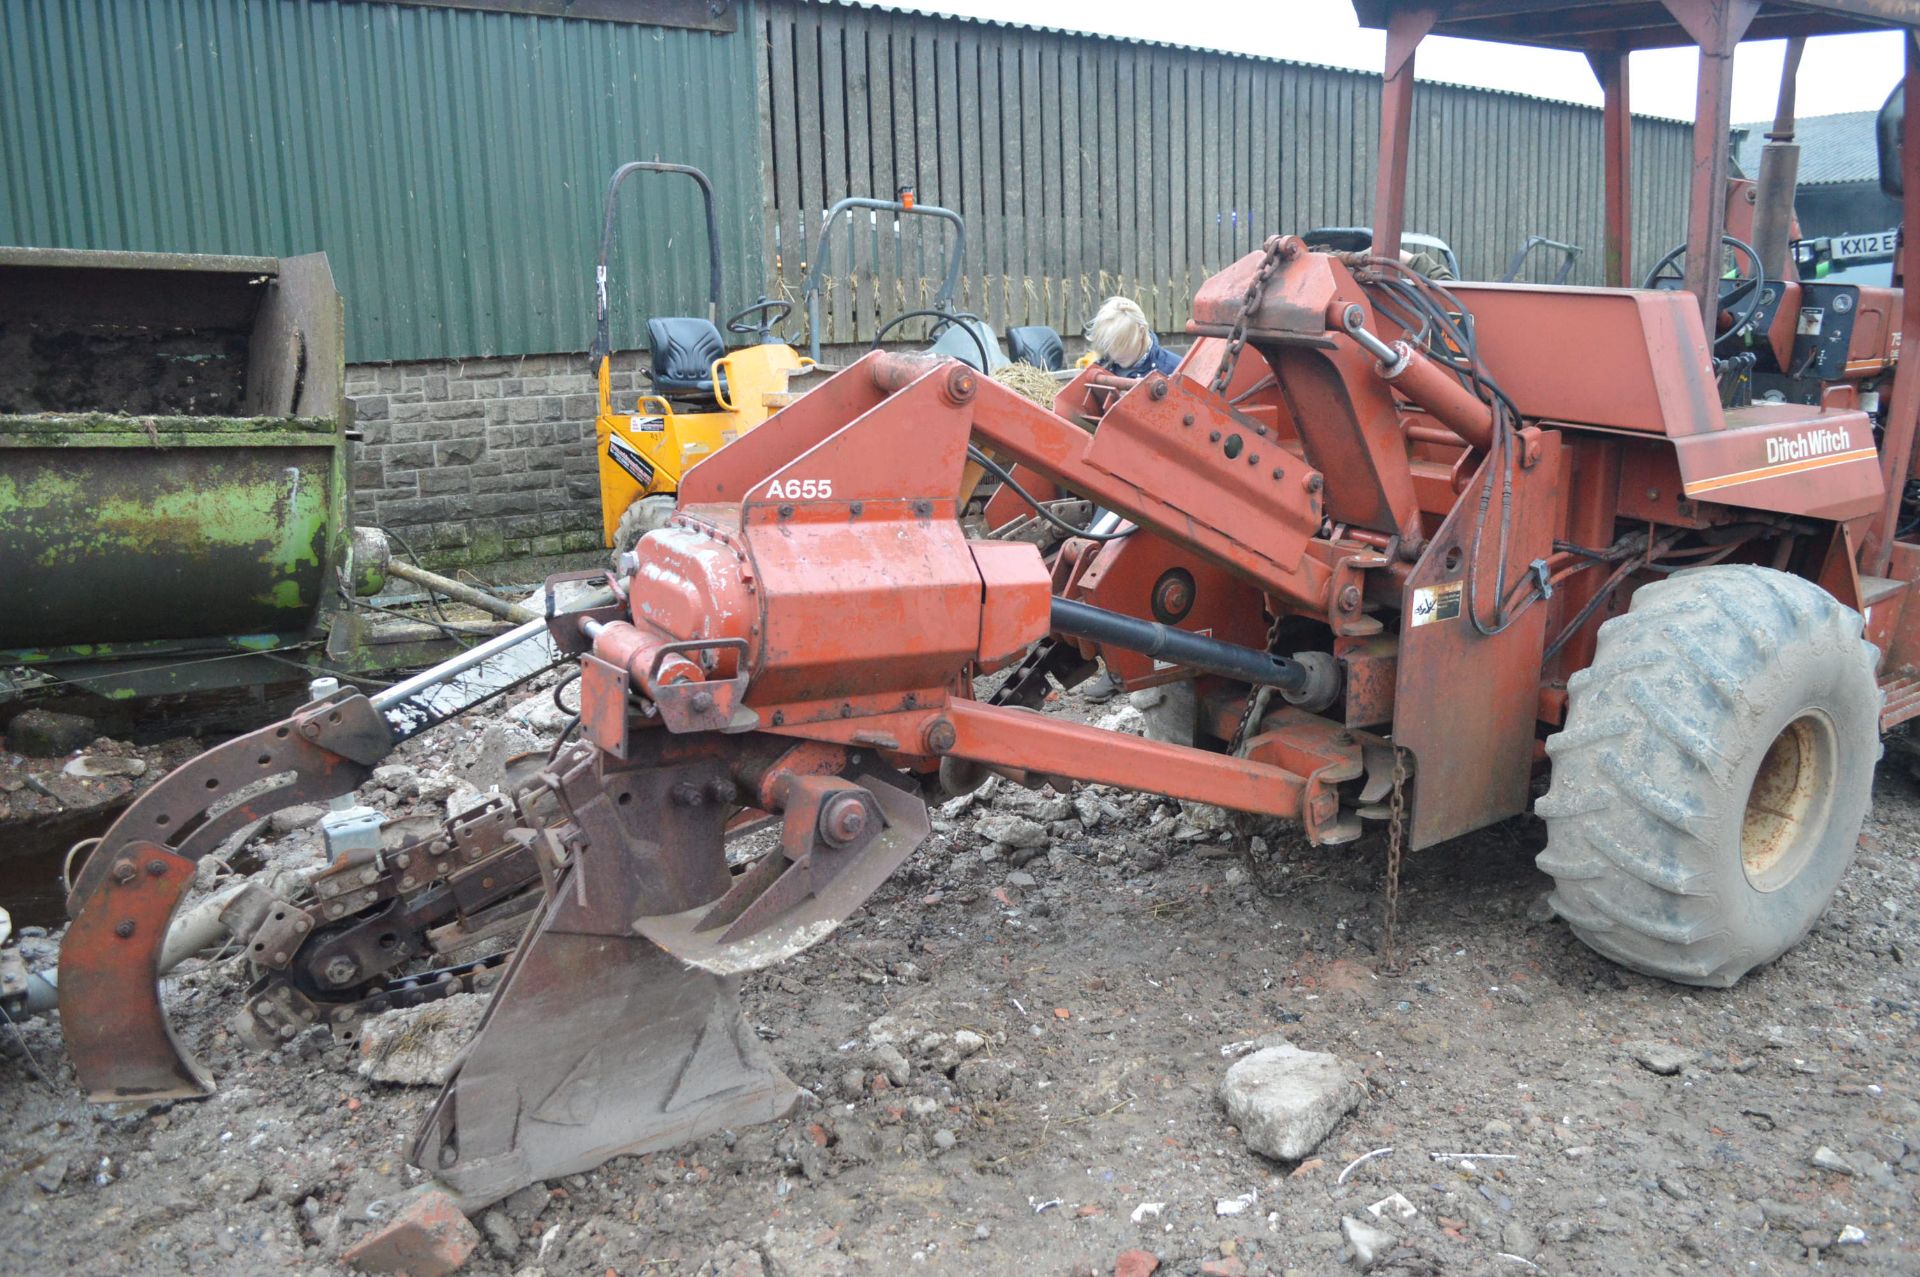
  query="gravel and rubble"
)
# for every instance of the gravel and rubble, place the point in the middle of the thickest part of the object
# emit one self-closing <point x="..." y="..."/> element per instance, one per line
<point x="98" y="774"/>
<point x="1013" y="1060"/>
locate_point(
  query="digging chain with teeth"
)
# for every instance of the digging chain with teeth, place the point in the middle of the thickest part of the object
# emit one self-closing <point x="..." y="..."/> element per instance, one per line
<point x="334" y="957"/>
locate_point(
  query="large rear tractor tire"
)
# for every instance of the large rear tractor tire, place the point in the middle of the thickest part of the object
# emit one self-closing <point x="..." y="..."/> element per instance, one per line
<point x="642" y="517"/>
<point x="1715" y="769"/>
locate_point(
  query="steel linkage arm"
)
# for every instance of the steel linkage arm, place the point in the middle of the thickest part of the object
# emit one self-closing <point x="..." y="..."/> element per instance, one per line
<point x="1060" y="747"/>
<point x="1169" y="455"/>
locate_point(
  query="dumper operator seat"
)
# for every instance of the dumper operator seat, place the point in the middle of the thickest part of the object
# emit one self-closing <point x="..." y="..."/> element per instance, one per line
<point x="1037" y="344"/>
<point x="684" y="349"/>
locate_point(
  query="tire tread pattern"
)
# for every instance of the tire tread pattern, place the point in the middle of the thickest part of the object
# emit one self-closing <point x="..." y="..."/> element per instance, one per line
<point x="1642" y="764"/>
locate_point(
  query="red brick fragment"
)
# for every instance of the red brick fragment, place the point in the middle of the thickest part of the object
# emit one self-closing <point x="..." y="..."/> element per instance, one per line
<point x="427" y="1237"/>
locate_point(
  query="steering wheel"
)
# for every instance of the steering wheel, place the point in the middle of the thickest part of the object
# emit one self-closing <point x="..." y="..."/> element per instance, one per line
<point x="772" y="312"/>
<point x="945" y="319"/>
<point x="1740" y="292"/>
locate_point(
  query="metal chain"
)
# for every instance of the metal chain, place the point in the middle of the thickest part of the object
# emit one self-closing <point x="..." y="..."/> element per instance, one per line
<point x="1396" y="838"/>
<point x="1237" y="336"/>
<point x="414" y="893"/>
<point x="1257" y="697"/>
<point x="1243" y="823"/>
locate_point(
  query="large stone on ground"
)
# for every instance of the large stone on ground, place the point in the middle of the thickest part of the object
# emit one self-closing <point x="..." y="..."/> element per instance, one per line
<point x="427" y="1237"/>
<point x="101" y="766"/>
<point x="291" y="820"/>
<point x="1012" y="831"/>
<point x="47" y="733"/>
<point x="1285" y="1100"/>
<point x="418" y="1045"/>
<point x="1663" y="1058"/>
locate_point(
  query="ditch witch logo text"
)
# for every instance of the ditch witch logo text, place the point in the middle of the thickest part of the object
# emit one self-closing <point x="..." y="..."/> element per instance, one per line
<point x="1814" y="443"/>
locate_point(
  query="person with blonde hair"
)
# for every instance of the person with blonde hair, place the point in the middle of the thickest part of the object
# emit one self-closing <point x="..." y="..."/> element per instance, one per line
<point x="1123" y="341"/>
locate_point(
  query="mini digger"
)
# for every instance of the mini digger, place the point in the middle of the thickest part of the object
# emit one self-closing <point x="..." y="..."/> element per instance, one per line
<point x="1407" y="548"/>
<point x="702" y="396"/>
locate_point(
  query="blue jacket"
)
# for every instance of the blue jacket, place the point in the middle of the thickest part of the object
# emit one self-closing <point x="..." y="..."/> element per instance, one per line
<point x="1157" y="359"/>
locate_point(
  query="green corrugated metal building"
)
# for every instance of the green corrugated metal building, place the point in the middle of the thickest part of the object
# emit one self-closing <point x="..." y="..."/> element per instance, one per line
<point x="450" y="160"/>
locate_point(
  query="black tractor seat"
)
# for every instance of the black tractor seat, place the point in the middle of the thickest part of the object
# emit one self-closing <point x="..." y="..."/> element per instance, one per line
<point x="684" y="348"/>
<point x="1039" y="345"/>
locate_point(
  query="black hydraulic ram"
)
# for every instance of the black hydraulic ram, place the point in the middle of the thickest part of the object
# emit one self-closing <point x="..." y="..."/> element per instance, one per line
<point x="1180" y="647"/>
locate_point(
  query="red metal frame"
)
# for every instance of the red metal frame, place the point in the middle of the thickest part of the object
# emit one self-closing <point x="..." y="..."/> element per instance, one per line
<point x="1716" y="27"/>
<point x="1610" y="68"/>
<point x="1606" y="31"/>
<point x="1898" y="461"/>
<point x="1405" y="29"/>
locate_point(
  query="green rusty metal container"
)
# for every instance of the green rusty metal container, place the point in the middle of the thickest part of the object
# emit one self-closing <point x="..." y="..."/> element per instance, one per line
<point x="173" y="468"/>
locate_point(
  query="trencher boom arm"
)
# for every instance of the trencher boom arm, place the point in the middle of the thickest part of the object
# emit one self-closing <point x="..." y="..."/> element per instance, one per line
<point x="116" y="1033"/>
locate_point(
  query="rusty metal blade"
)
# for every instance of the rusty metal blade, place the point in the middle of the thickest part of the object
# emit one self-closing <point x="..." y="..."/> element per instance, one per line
<point x="687" y="936"/>
<point x="327" y="747"/>
<point x="116" y="1033"/>
<point x="595" y="1046"/>
<point x="1379" y="759"/>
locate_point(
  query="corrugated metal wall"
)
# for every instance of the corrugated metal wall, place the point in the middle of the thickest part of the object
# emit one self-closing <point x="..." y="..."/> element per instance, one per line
<point x="451" y="162"/>
<point x="1087" y="166"/>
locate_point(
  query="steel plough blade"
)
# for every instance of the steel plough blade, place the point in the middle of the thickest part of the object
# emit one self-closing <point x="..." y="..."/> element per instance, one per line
<point x="608" y="1036"/>
<point x="594" y="1046"/>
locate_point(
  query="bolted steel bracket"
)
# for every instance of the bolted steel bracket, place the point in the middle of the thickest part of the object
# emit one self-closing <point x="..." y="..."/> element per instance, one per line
<point x="109" y="966"/>
<point x="711" y="705"/>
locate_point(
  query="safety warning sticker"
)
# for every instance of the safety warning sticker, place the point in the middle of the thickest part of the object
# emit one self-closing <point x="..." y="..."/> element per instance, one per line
<point x="627" y="458"/>
<point x="1436" y="603"/>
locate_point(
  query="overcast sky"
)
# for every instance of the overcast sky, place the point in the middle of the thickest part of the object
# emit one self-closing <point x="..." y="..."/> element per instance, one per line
<point x="1839" y="73"/>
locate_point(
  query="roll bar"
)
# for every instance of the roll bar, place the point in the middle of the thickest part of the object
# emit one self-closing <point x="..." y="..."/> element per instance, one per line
<point x="810" y="288"/>
<point x="1569" y="254"/>
<point x="602" y="335"/>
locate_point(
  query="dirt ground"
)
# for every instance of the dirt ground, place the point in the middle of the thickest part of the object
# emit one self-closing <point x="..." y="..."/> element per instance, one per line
<point x="1111" y="979"/>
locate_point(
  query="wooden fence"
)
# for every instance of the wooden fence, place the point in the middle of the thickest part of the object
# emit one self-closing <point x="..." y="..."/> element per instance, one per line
<point x="1086" y="166"/>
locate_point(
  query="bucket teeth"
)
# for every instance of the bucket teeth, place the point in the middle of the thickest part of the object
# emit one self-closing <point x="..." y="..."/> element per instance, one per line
<point x="1379" y="783"/>
<point x="1344" y="830"/>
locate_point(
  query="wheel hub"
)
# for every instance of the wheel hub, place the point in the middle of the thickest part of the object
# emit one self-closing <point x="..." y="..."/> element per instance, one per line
<point x="1787" y="806"/>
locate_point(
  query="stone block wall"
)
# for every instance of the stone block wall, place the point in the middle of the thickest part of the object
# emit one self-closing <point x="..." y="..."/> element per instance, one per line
<point x="476" y="460"/>
<point x="473" y="460"/>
